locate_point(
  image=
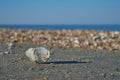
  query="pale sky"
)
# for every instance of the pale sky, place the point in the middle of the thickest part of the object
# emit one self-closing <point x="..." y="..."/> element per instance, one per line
<point x="59" y="11"/>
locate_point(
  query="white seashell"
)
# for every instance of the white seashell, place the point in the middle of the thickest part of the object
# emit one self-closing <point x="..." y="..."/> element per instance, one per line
<point x="30" y="54"/>
<point x="39" y="55"/>
<point x="43" y="53"/>
<point x="76" y="42"/>
<point x="10" y="45"/>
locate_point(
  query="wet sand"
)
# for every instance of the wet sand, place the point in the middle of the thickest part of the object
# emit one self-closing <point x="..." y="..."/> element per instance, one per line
<point x="64" y="64"/>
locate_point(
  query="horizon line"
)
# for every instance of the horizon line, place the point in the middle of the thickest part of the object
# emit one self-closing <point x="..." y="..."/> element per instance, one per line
<point x="59" y="24"/>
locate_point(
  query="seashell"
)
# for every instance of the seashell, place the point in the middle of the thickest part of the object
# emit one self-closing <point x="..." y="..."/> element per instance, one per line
<point x="87" y="42"/>
<point x="96" y="37"/>
<point x="114" y="34"/>
<point x="76" y="42"/>
<point x="38" y="55"/>
<point x="10" y="45"/>
<point x="91" y="34"/>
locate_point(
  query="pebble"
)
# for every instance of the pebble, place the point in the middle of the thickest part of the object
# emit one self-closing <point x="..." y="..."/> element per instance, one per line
<point x="31" y="68"/>
<point x="10" y="45"/>
<point x="67" y="76"/>
<point x="84" y="39"/>
<point x="45" y="78"/>
<point x="102" y="75"/>
<point x="111" y="74"/>
<point x="7" y="52"/>
<point x="21" y="59"/>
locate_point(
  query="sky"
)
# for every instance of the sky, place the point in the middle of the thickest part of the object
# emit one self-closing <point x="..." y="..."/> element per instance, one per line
<point x="59" y="11"/>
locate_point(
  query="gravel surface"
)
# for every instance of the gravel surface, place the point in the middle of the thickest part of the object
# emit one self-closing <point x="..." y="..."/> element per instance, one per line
<point x="64" y="64"/>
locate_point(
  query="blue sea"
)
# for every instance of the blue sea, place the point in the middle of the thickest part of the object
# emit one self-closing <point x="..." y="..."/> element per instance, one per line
<point x="64" y="27"/>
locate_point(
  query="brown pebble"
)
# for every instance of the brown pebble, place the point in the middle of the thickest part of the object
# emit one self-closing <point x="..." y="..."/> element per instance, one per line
<point x="77" y="76"/>
<point x="31" y="68"/>
<point x="101" y="67"/>
<point x="79" y="59"/>
<point x="21" y="59"/>
<point x="45" y="78"/>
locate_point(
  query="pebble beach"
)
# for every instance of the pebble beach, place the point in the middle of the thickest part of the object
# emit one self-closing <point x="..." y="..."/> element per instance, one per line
<point x="82" y="39"/>
<point x="77" y="55"/>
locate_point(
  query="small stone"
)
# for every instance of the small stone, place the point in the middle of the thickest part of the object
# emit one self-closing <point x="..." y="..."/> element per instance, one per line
<point x="42" y="69"/>
<point x="53" y="65"/>
<point x="7" y="52"/>
<point x="101" y="67"/>
<point x="102" y="75"/>
<point x="87" y="60"/>
<point x="10" y="45"/>
<point x="67" y="76"/>
<point x="45" y="78"/>
<point x="111" y="74"/>
<point x="31" y="68"/>
<point x="22" y="69"/>
<point x="79" y="59"/>
<point x="117" y="69"/>
<point x="77" y="76"/>
<point x="21" y="59"/>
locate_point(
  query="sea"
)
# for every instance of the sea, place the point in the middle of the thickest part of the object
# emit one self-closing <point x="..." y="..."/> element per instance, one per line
<point x="64" y="27"/>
